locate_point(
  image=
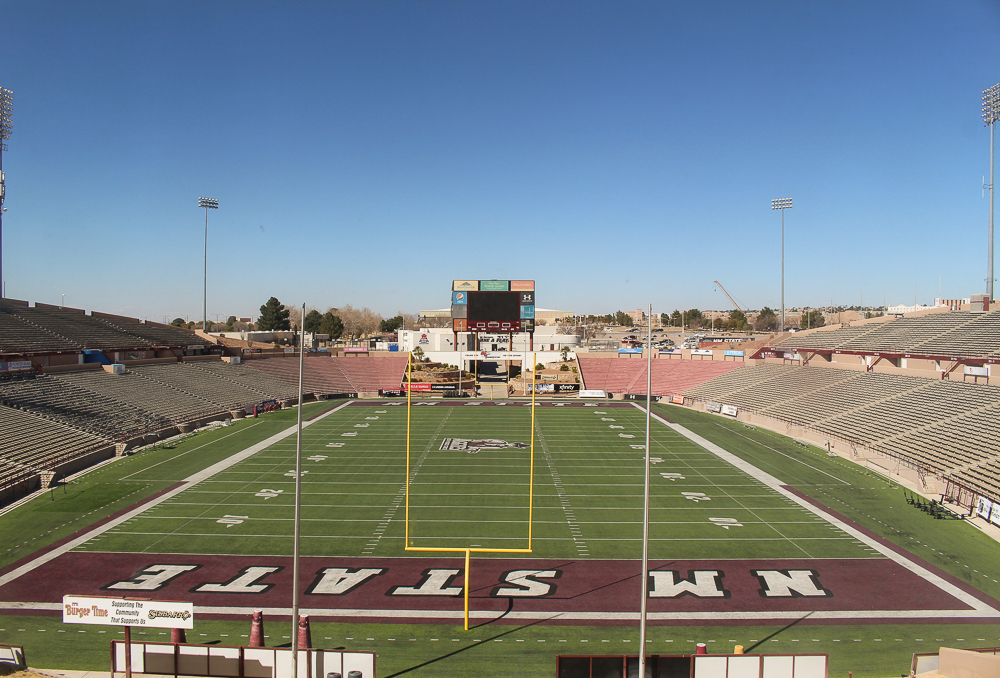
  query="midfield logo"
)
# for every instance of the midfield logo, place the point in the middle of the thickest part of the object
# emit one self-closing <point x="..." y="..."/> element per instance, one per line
<point x="472" y="446"/>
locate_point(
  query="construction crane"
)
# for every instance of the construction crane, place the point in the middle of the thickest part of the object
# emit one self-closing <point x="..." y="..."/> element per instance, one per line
<point x="735" y="303"/>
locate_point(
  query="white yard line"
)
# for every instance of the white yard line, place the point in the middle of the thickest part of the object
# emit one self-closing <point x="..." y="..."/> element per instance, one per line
<point x="185" y="484"/>
<point x="979" y="608"/>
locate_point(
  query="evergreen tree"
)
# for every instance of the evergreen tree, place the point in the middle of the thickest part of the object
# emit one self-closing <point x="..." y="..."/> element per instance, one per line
<point x="273" y="316"/>
<point x="332" y="325"/>
<point x="313" y="320"/>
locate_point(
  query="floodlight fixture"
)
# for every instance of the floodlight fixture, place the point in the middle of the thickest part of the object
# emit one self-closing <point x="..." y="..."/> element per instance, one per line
<point x="782" y="204"/>
<point x="991" y="113"/>
<point x="208" y="204"/>
<point x="6" y="110"/>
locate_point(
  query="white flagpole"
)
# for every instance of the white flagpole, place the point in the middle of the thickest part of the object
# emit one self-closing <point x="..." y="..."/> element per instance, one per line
<point x="298" y="508"/>
<point x="645" y="505"/>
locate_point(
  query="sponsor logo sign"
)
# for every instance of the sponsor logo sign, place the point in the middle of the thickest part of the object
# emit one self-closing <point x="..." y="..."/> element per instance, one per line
<point x="424" y="339"/>
<point x="528" y="325"/>
<point x="491" y="355"/>
<point x="416" y="387"/>
<point x="392" y="391"/>
<point x="592" y="393"/>
<point x="459" y="310"/>
<point x="984" y="507"/>
<point x="522" y="285"/>
<point x="474" y="445"/>
<point x="677" y="400"/>
<point x="444" y="387"/>
<point x="713" y="407"/>
<point x="792" y="356"/>
<point x="671" y="351"/>
<point x="494" y="285"/>
<point x="18" y="365"/>
<point x="465" y="285"/>
<point x="973" y="371"/>
<point x="459" y="298"/>
<point x="356" y="349"/>
<point x="459" y="324"/>
<point x="701" y="351"/>
<point x="567" y="388"/>
<point x="729" y="409"/>
<point x="528" y="298"/>
<point x="251" y="350"/>
<point x="630" y="350"/>
<point x="527" y="312"/>
<point x="737" y="354"/>
<point x="128" y="612"/>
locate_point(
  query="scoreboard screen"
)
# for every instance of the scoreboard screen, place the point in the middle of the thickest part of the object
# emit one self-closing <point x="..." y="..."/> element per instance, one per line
<point x="495" y="306"/>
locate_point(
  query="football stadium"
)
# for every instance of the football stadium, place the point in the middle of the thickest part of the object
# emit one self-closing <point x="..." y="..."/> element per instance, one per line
<point x="824" y="499"/>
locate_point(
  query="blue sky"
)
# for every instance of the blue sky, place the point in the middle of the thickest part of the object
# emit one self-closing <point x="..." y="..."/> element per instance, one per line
<point x="618" y="153"/>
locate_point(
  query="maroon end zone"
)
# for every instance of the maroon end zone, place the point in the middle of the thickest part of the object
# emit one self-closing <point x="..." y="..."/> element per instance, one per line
<point x="406" y="590"/>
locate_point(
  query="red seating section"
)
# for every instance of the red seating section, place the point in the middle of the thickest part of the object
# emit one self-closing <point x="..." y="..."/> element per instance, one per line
<point x="669" y="377"/>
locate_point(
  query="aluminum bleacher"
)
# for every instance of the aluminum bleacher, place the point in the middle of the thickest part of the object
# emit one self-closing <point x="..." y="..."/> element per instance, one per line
<point x="248" y="377"/>
<point x="227" y="395"/>
<point x="84" y="330"/>
<point x="33" y="442"/>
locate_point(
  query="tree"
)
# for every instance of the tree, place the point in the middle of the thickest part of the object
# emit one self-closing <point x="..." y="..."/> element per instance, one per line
<point x="418" y="353"/>
<point x="331" y="325"/>
<point x="767" y="319"/>
<point x="693" y="318"/>
<point x="565" y="353"/>
<point x="675" y="318"/>
<point x="273" y="316"/>
<point x="178" y="322"/>
<point x="230" y="323"/>
<point x="737" y="321"/>
<point x="813" y="318"/>
<point x="313" y="321"/>
<point x="391" y="325"/>
<point x="622" y="318"/>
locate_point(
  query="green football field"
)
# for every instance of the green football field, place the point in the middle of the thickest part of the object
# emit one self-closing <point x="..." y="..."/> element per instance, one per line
<point x="470" y="487"/>
<point x="588" y="486"/>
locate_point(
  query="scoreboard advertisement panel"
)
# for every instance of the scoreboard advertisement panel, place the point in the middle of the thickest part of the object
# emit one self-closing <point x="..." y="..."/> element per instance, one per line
<point x="493" y="305"/>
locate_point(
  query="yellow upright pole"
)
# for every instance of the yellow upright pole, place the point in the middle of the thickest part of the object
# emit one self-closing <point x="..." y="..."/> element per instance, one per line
<point x="467" y="561"/>
<point x="409" y="397"/>
<point x="531" y="476"/>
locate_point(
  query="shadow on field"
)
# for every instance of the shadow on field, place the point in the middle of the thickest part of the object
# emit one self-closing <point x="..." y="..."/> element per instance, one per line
<point x="472" y="646"/>
<point x="781" y="630"/>
<point x="582" y="593"/>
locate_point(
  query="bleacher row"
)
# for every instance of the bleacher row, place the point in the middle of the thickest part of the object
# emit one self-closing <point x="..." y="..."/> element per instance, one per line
<point x="953" y="333"/>
<point x="45" y="418"/>
<point x="39" y="330"/>
<point x="669" y="377"/>
<point x="948" y="428"/>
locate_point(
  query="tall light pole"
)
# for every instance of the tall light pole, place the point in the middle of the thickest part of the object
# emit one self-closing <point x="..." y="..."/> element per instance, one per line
<point x="991" y="113"/>
<point x="208" y="204"/>
<point x="6" y="108"/>
<point x="782" y="204"/>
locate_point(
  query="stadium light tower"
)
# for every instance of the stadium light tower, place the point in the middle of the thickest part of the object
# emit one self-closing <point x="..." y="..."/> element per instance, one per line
<point x="6" y="108"/>
<point x="991" y="113"/>
<point x="208" y="204"/>
<point x="782" y="204"/>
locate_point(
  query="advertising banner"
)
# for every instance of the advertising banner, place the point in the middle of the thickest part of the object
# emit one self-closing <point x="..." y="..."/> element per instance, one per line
<point x="527" y="313"/>
<point x="528" y="298"/>
<point x="492" y="355"/>
<point x="459" y="310"/>
<point x="465" y="285"/>
<point x="713" y="407"/>
<point x="677" y="400"/>
<point x="458" y="324"/>
<point x="18" y="365"/>
<point x="159" y="614"/>
<point x="983" y="507"/>
<point x="701" y="351"/>
<point x="630" y="350"/>
<point x="527" y="325"/>
<point x="458" y="298"/>
<point x="973" y="371"/>
<point x="444" y="387"/>
<point x="416" y="387"/>
<point x="522" y="285"/>
<point x="792" y="356"/>
<point x="566" y="388"/>
<point x="671" y="351"/>
<point x="494" y="285"/>
<point x="593" y="393"/>
<point x="729" y="409"/>
<point x="391" y="391"/>
<point x="736" y="354"/>
<point x="356" y="349"/>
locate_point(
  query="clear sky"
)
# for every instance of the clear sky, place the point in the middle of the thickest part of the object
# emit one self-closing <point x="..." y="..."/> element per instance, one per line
<point x="618" y="153"/>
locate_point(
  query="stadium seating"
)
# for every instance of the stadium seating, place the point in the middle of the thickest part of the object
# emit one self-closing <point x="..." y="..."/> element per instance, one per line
<point x="669" y="377"/>
<point x="248" y="377"/>
<point x="79" y="408"/>
<point x="28" y="441"/>
<point x="227" y="395"/>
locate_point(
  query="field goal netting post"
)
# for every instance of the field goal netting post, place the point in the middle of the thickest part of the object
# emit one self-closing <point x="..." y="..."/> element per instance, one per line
<point x="467" y="550"/>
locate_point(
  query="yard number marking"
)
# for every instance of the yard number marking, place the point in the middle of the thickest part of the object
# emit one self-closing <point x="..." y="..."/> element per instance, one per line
<point x="362" y="425"/>
<point x="726" y="522"/>
<point x="291" y="473"/>
<point x="614" y="426"/>
<point x="268" y="494"/>
<point x="607" y="418"/>
<point x="317" y="457"/>
<point x="696" y="497"/>
<point x="672" y="476"/>
<point x="229" y="521"/>
<point x="335" y="444"/>
<point x="625" y="435"/>
<point x="371" y="417"/>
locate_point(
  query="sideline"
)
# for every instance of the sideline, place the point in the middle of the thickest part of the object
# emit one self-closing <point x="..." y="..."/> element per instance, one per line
<point x="979" y="608"/>
<point x="185" y="484"/>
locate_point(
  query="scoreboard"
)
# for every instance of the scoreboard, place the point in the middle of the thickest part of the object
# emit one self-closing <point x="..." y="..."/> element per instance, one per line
<point x="493" y="305"/>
